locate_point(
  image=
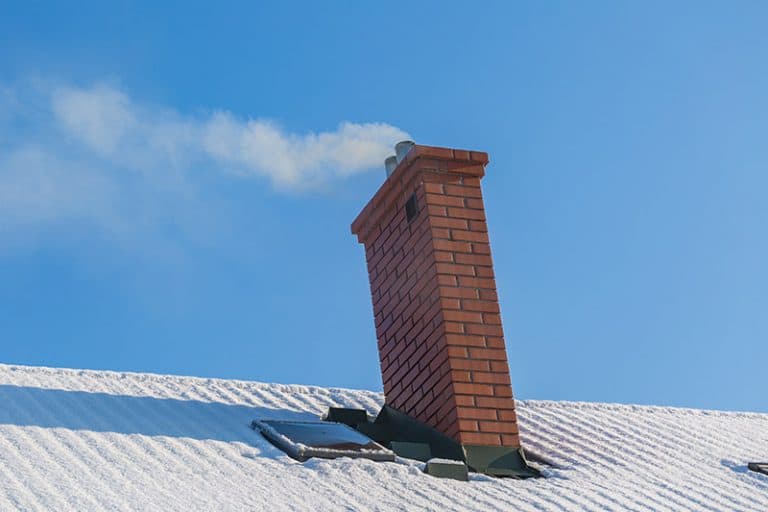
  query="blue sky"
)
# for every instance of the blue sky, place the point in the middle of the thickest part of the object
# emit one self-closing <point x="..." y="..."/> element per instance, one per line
<point x="177" y="184"/>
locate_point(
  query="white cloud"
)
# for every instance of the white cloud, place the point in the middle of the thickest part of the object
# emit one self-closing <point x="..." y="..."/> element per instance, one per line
<point x="95" y="154"/>
<point x="100" y="116"/>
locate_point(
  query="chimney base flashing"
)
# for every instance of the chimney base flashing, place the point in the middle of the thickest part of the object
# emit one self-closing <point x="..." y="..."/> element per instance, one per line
<point x="500" y="461"/>
<point x="410" y="438"/>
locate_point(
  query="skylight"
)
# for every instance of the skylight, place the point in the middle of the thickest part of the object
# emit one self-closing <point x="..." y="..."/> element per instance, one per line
<point x="304" y="439"/>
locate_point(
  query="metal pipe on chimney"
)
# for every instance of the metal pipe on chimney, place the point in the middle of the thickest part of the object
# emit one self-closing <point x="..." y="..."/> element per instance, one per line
<point x="390" y="164"/>
<point x="402" y="148"/>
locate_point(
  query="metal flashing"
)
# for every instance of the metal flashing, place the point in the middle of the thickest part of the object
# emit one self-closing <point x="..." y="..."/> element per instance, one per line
<point x="451" y="469"/>
<point x="412" y="439"/>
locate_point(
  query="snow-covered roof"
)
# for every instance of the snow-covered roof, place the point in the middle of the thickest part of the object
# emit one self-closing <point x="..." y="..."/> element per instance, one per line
<point x="94" y="440"/>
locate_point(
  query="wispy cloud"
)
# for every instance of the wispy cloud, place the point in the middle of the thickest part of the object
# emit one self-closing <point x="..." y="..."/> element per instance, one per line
<point x="95" y="155"/>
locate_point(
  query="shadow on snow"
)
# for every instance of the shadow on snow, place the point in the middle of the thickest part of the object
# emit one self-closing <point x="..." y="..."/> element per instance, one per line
<point x="124" y="414"/>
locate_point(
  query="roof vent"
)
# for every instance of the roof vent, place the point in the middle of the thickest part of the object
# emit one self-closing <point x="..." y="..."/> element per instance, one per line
<point x="390" y="164"/>
<point x="402" y="148"/>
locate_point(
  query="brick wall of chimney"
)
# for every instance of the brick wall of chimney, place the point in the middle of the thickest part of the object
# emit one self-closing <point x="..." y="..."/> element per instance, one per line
<point x="440" y="338"/>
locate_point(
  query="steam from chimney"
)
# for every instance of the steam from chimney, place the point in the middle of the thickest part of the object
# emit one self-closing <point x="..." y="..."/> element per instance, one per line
<point x="97" y="154"/>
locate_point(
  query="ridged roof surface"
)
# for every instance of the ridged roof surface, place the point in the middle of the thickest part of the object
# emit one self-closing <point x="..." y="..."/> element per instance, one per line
<point x="93" y="440"/>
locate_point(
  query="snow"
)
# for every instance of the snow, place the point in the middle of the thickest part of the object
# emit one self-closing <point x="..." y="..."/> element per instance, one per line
<point x="435" y="460"/>
<point x="93" y="440"/>
<point x="353" y="436"/>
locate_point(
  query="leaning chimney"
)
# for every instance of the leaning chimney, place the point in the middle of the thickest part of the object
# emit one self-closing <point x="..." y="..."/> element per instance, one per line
<point x="440" y="339"/>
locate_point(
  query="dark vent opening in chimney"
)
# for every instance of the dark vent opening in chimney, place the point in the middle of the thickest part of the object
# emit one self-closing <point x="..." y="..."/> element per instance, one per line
<point x="411" y="208"/>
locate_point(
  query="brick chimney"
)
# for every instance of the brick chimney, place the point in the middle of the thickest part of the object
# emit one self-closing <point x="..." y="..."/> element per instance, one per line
<point x="441" y="344"/>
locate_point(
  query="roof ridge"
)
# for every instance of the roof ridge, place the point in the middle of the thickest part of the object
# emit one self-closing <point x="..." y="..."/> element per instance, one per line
<point x="159" y="377"/>
<point x="307" y="389"/>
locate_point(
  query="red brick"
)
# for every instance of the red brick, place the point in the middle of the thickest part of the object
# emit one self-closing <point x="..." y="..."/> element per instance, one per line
<point x="494" y="342"/>
<point x="449" y="426"/>
<point x="479" y="156"/>
<point x="501" y="427"/>
<point x="476" y="282"/>
<point x="443" y="200"/>
<point x="484" y="330"/>
<point x="507" y="415"/>
<point x="463" y="316"/>
<point x="441" y="360"/>
<point x="462" y="293"/>
<point x="488" y="353"/>
<point x="454" y="327"/>
<point x="460" y="376"/>
<point x="460" y="154"/>
<point x="469" y="341"/>
<point x="475" y="203"/>
<point x="438" y="232"/>
<point x="447" y="280"/>
<point x="466" y="213"/>
<point x="448" y="245"/>
<point x="449" y="222"/>
<point x="477" y="305"/>
<point x="460" y="352"/>
<point x="510" y="440"/>
<point x="434" y="152"/>
<point x="469" y="236"/>
<point x="488" y="295"/>
<point x="437" y="383"/>
<point x="474" y="259"/>
<point x="478" y="225"/>
<point x="499" y="366"/>
<point x="491" y="378"/>
<point x="484" y="271"/>
<point x="450" y="303"/>
<point x="494" y="402"/>
<point x="463" y="388"/>
<point x="462" y="191"/>
<point x="477" y="414"/>
<point x="437" y="211"/>
<point x="470" y="364"/>
<point x="453" y="431"/>
<point x="452" y="269"/>
<point x="465" y="400"/>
